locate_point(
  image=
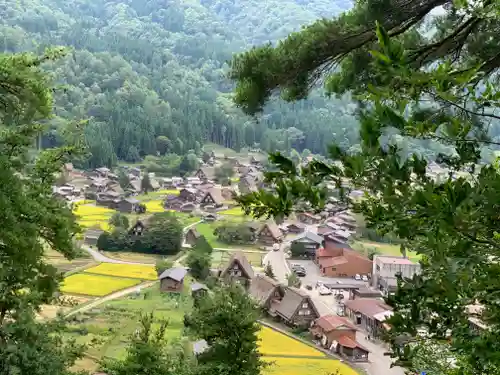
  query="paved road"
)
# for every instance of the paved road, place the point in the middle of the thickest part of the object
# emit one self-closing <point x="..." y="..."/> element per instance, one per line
<point x="379" y="363"/>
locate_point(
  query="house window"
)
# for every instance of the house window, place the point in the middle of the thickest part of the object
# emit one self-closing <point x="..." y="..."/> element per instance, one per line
<point x="334" y="269"/>
<point x="378" y="267"/>
<point x="305" y="305"/>
<point x="236" y="273"/>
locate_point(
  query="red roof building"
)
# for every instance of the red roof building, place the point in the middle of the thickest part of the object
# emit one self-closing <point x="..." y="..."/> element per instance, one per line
<point x="339" y="335"/>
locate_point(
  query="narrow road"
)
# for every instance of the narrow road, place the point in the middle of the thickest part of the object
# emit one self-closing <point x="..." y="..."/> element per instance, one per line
<point x="379" y="364"/>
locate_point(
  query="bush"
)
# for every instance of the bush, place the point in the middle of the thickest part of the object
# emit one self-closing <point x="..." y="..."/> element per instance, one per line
<point x="240" y="234"/>
<point x="163" y="265"/>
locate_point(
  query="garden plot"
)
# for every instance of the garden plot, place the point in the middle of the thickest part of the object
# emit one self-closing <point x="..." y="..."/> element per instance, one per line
<point x="108" y="328"/>
<point x="95" y="285"/>
<point x="131" y="271"/>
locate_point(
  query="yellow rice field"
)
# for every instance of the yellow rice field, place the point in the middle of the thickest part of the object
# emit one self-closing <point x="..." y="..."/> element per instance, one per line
<point x="274" y="343"/>
<point x="134" y="271"/>
<point x="154" y="206"/>
<point x="302" y="366"/>
<point x="94" y="223"/>
<point x="91" y="210"/>
<point x="95" y="285"/>
<point x="235" y="211"/>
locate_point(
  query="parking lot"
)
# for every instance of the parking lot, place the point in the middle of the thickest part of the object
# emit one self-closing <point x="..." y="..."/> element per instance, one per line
<point x="313" y="275"/>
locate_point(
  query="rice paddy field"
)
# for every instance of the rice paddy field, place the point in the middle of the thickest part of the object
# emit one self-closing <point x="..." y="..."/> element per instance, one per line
<point x="132" y="271"/>
<point x="274" y="343"/>
<point x="309" y="366"/>
<point x="288" y="356"/>
<point x="154" y="206"/>
<point x="235" y="211"/>
<point x="87" y="284"/>
<point x="92" y="216"/>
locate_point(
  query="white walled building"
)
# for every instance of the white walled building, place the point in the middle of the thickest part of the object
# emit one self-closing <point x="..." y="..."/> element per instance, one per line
<point x="385" y="269"/>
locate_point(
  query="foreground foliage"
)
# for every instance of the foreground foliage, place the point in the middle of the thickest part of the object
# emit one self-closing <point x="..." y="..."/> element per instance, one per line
<point x="439" y="87"/>
<point x="31" y="220"/>
<point x="152" y="79"/>
<point x="226" y="320"/>
<point x="150" y="354"/>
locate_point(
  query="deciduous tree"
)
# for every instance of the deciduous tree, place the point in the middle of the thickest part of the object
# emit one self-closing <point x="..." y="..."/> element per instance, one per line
<point x="227" y="320"/>
<point x="32" y="220"/>
<point x="119" y="220"/>
<point x="149" y="353"/>
<point x="423" y="88"/>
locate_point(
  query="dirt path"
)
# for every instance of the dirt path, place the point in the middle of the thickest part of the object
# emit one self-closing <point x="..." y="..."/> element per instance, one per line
<point x="109" y="297"/>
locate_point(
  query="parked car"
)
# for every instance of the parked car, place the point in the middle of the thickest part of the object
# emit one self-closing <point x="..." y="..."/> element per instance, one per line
<point x="300" y="271"/>
<point x="358" y="276"/>
<point x="364" y="278"/>
<point x="324" y="291"/>
<point x="295" y="265"/>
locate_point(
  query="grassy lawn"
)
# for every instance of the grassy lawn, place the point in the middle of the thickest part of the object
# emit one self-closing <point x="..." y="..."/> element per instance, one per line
<point x="383" y="248"/>
<point x="220" y="258"/>
<point x="107" y="329"/>
<point x="207" y="230"/>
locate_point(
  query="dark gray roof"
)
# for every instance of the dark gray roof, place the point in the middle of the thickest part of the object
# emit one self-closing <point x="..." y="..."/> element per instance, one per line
<point x="311" y="236"/>
<point x="291" y="302"/>
<point x="198" y="286"/>
<point x="240" y="258"/>
<point x="262" y="287"/>
<point x="176" y="273"/>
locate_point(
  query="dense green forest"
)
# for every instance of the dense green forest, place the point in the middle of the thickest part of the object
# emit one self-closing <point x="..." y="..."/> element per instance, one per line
<point x="150" y="77"/>
<point x="139" y="70"/>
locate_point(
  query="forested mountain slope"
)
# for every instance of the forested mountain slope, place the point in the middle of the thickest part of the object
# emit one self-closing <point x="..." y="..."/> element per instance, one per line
<point x="143" y="69"/>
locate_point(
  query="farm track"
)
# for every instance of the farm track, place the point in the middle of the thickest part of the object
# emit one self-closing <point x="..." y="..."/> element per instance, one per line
<point x="109" y="297"/>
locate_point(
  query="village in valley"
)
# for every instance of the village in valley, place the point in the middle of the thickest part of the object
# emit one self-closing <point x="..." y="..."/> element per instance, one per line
<point x="317" y="277"/>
